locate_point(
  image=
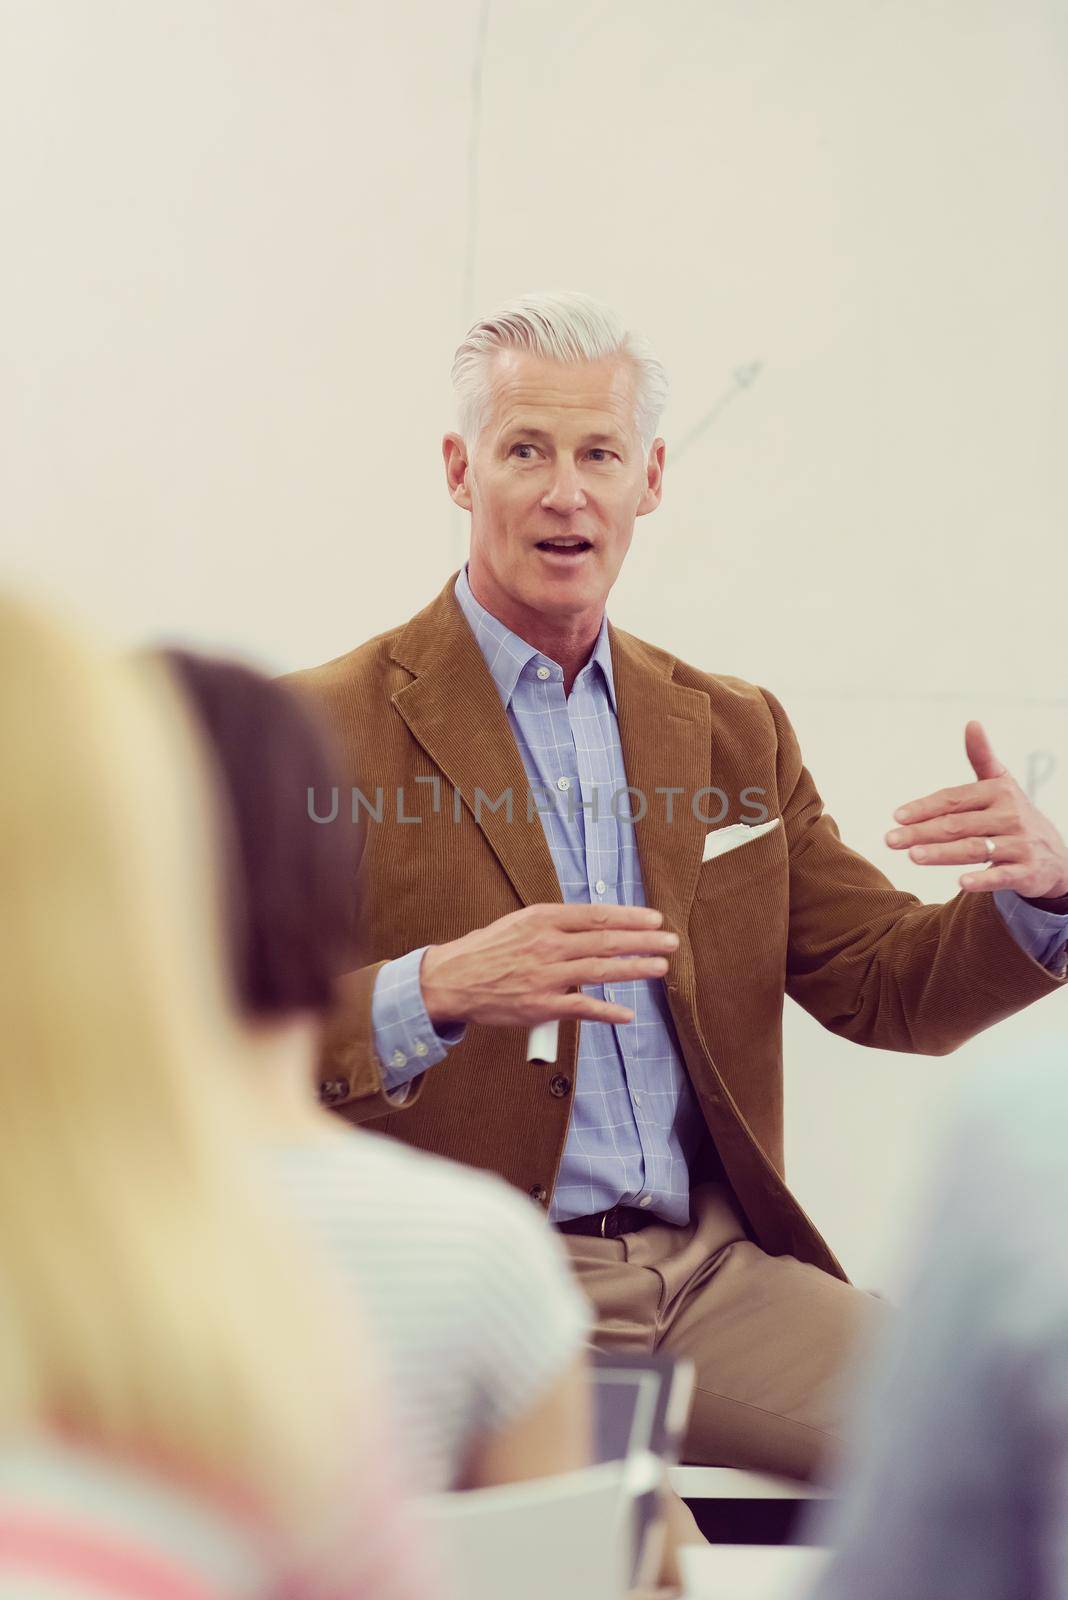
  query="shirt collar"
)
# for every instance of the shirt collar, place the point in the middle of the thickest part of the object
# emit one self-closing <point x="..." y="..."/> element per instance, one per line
<point x="506" y="654"/>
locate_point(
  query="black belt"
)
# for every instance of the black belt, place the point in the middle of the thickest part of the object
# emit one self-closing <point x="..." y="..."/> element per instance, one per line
<point x="609" y="1224"/>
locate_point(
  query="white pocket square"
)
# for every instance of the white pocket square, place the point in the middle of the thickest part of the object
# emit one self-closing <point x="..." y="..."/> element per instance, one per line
<point x="719" y="840"/>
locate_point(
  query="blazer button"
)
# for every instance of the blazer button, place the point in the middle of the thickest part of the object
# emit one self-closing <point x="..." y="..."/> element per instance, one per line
<point x="333" y="1091"/>
<point x="539" y="1194"/>
<point x="559" y="1085"/>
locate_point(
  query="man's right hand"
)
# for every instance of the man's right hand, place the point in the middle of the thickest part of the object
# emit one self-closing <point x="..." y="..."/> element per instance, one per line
<point x="530" y="966"/>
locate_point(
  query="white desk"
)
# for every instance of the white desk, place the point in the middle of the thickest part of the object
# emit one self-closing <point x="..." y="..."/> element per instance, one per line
<point x="750" y="1571"/>
<point x="734" y="1483"/>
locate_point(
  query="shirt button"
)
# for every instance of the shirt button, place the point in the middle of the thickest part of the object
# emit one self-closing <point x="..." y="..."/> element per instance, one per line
<point x="563" y="783"/>
<point x="600" y="886"/>
<point x="637" y="1099"/>
<point x="398" y="1058"/>
<point x="646" y="1200"/>
<point x="420" y="1048"/>
<point x="543" y="673"/>
<point x="608" y="993"/>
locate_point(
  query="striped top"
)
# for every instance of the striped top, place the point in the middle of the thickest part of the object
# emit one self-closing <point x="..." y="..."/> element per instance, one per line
<point x="76" y="1524"/>
<point x="465" y="1287"/>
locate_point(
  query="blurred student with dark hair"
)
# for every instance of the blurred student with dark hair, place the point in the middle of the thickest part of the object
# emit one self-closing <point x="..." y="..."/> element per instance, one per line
<point x="464" y="1283"/>
<point x="957" y="1487"/>
<point x="170" y="1423"/>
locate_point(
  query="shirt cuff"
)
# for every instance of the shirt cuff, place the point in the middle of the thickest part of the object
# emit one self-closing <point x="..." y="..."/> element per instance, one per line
<point x="1043" y="935"/>
<point x="406" y="1041"/>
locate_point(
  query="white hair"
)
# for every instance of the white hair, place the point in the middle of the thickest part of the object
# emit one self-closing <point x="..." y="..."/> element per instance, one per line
<point x="565" y="326"/>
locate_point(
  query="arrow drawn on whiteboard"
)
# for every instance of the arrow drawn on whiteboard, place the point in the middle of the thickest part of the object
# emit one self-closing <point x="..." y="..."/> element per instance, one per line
<point x="743" y="378"/>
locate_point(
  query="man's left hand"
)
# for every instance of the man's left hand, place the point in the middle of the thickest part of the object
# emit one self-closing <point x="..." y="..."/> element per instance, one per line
<point x="956" y="826"/>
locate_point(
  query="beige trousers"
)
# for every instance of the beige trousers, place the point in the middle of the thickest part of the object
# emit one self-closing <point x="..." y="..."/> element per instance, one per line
<point x="774" y="1341"/>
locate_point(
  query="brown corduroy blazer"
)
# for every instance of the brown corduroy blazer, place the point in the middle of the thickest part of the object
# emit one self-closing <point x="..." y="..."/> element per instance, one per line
<point x="794" y="912"/>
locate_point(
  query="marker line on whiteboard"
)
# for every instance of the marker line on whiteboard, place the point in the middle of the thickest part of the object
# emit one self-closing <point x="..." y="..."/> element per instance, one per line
<point x="744" y="377"/>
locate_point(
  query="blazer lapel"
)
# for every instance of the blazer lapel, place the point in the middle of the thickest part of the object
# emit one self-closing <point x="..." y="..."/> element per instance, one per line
<point x="665" y="731"/>
<point x="453" y="709"/>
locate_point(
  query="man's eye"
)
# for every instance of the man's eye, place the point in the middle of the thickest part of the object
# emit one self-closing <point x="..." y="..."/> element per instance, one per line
<point x="600" y="454"/>
<point x="517" y="447"/>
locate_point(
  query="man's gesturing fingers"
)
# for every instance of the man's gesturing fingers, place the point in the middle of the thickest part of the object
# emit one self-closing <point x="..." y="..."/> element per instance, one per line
<point x="985" y="763"/>
<point x="993" y="784"/>
<point x="607" y="942"/>
<point x="575" y="918"/>
<point x="946" y="832"/>
<point x="585" y="1008"/>
<point x="990" y="821"/>
<point x="523" y="968"/>
<point x="602" y="969"/>
<point x="979" y="796"/>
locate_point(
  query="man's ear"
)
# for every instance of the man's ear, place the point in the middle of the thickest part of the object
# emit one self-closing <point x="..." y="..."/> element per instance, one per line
<point x="454" y="451"/>
<point x="654" y="478"/>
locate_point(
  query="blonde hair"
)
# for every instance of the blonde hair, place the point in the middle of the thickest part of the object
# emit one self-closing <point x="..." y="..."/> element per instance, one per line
<point x="149" y="1298"/>
<point x="562" y="326"/>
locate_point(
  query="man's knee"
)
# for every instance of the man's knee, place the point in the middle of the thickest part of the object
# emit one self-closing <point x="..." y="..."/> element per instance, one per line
<point x="777" y="1362"/>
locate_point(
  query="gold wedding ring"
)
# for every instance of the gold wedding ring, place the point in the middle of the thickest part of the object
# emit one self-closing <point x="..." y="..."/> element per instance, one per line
<point x="990" y="848"/>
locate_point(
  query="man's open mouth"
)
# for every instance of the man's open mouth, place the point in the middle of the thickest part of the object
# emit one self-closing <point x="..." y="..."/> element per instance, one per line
<point x="565" y="547"/>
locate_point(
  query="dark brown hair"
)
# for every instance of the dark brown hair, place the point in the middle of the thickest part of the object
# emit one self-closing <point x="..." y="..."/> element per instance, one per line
<point x="288" y="893"/>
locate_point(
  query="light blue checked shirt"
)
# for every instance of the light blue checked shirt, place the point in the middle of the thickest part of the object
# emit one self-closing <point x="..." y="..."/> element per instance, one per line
<point x="635" y="1123"/>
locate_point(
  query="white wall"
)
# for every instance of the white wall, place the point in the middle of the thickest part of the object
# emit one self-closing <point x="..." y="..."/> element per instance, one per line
<point x="244" y="238"/>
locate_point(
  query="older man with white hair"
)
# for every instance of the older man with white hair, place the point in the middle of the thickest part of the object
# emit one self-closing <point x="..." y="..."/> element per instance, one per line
<point x="555" y="820"/>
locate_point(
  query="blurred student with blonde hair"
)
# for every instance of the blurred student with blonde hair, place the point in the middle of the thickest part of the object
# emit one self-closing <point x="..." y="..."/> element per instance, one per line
<point x="171" y="1417"/>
